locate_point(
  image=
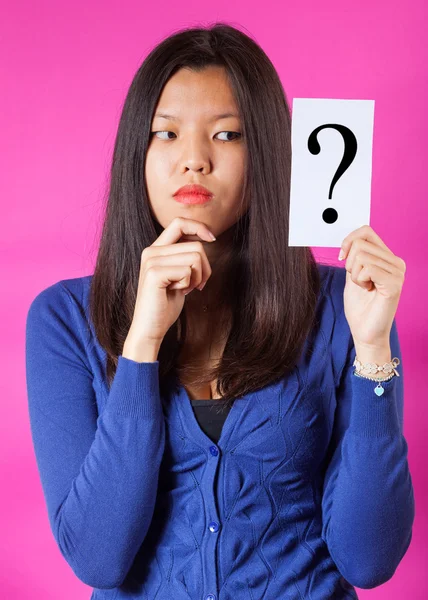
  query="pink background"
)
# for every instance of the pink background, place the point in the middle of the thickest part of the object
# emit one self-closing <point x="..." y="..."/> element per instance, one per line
<point x="65" y="71"/>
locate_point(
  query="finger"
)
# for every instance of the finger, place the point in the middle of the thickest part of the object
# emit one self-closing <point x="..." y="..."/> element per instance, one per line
<point x="365" y="233"/>
<point x="182" y="259"/>
<point x="364" y="252"/>
<point x="365" y="264"/>
<point x="166" y="276"/>
<point x="372" y="276"/>
<point x="176" y="250"/>
<point x="359" y="276"/>
<point x="180" y="226"/>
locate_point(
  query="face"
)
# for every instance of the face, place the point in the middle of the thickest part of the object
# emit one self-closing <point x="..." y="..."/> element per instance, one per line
<point x="195" y="148"/>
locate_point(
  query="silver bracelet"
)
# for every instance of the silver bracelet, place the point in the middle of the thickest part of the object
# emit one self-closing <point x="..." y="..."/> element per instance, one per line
<point x="388" y="368"/>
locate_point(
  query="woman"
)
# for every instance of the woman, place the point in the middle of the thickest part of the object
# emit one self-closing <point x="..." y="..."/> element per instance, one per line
<point x="299" y="487"/>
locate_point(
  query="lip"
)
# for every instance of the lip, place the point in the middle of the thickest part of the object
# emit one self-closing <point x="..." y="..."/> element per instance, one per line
<point x="193" y="194"/>
<point x="193" y="198"/>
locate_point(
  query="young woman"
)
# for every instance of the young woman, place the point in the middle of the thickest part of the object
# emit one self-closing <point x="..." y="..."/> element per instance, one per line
<point x="299" y="487"/>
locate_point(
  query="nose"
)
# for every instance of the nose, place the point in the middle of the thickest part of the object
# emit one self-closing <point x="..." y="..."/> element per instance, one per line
<point x="194" y="165"/>
<point x="195" y="158"/>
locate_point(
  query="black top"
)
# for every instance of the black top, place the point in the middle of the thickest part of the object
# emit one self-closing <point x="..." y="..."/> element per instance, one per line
<point x="210" y="417"/>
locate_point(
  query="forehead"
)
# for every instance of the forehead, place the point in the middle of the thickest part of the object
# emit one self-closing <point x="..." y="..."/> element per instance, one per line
<point x="188" y="94"/>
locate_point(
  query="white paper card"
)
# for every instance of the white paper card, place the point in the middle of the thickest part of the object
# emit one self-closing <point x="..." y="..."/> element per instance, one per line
<point x="325" y="203"/>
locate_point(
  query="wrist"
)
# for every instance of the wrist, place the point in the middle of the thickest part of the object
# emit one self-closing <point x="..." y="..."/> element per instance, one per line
<point x="378" y="355"/>
<point x="142" y="351"/>
<point x="373" y="355"/>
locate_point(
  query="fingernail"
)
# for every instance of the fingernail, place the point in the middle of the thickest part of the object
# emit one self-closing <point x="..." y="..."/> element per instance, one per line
<point x="201" y="287"/>
<point x="341" y="255"/>
<point x="212" y="236"/>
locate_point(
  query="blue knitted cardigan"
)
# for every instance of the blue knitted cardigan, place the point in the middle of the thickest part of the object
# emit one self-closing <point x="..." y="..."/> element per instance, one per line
<point x="306" y="494"/>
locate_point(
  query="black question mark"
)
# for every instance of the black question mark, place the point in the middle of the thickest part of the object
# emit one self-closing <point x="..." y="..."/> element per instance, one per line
<point x="330" y="215"/>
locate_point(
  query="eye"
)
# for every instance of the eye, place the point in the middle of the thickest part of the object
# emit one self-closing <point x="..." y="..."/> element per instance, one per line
<point x="236" y="133"/>
<point x="232" y="132"/>
<point x="152" y="133"/>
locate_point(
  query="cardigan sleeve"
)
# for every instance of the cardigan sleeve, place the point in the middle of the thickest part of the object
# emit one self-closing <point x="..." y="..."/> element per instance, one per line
<point x="368" y="503"/>
<point x="99" y="473"/>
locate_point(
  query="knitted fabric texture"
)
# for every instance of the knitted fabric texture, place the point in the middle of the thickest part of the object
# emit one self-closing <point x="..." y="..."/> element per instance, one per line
<point x="306" y="495"/>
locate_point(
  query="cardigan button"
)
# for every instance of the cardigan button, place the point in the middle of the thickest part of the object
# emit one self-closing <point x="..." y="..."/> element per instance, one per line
<point x="213" y="450"/>
<point x="210" y="597"/>
<point x="213" y="526"/>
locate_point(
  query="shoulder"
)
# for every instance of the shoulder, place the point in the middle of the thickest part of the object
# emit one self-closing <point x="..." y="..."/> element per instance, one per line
<point x="64" y="300"/>
<point x="74" y="288"/>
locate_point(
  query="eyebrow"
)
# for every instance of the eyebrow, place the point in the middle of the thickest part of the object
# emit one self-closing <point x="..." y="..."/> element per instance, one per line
<point x="214" y="118"/>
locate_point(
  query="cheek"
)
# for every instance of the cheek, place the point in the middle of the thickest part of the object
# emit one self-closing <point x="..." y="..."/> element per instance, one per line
<point x="231" y="172"/>
<point x="156" y="166"/>
<point x="153" y="181"/>
<point x="235" y="160"/>
<point x="236" y="172"/>
<point x="156" y="180"/>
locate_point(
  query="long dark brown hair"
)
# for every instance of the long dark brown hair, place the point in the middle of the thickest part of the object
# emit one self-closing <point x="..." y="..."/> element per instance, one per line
<point x="271" y="288"/>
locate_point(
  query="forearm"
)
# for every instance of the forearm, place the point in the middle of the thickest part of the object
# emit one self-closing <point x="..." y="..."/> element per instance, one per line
<point x="368" y="504"/>
<point x="370" y="524"/>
